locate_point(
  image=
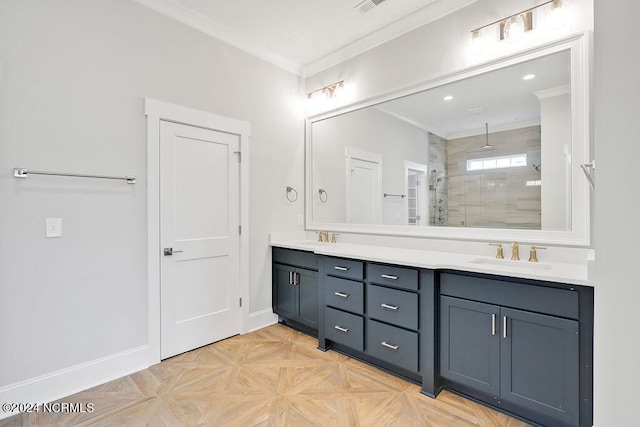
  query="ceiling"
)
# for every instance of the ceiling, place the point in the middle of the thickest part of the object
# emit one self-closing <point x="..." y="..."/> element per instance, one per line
<point x="500" y="98"/>
<point x="305" y="36"/>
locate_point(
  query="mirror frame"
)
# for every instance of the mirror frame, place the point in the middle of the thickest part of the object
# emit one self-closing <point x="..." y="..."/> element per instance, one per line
<point x="579" y="46"/>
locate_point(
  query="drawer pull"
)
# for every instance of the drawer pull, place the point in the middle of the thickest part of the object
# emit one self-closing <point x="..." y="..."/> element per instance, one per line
<point x="341" y="329"/>
<point x="389" y="276"/>
<point x="390" y="307"/>
<point x="493" y="323"/>
<point x="337" y="267"/>
<point x="504" y="326"/>
<point x="391" y="346"/>
<point x="340" y="294"/>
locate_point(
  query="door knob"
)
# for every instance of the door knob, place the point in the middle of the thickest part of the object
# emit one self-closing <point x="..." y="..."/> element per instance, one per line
<point x="169" y="251"/>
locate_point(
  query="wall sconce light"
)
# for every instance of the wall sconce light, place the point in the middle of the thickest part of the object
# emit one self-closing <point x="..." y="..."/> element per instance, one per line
<point x="512" y="28"/>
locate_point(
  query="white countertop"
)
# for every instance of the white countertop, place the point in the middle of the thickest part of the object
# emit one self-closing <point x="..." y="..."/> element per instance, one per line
<point x="575" y="274"/>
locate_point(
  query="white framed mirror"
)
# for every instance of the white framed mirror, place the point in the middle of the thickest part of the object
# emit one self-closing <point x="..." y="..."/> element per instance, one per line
<point x="492" y="152"/>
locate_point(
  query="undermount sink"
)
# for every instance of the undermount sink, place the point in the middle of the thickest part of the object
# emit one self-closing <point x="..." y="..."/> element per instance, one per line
<point x="512" y="264"/>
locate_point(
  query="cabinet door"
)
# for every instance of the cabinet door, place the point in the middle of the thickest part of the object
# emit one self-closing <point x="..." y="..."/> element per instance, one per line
<point x="470" y="344"/>
<point x="284" y="295"/>
<point x="307" y="288"/>
<point x="540" y="363"/>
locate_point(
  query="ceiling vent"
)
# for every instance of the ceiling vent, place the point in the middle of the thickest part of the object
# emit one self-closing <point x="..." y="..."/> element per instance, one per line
<point x="367" y="5"/>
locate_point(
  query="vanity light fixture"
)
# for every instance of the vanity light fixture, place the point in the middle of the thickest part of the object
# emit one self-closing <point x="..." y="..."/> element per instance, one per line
<point x="327" y="92"/>
<point x="512" y="28"/>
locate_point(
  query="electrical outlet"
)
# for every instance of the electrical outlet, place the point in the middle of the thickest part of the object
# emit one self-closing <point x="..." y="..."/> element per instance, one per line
<point x="300" y="219"/>
<point x="53" y="227"/>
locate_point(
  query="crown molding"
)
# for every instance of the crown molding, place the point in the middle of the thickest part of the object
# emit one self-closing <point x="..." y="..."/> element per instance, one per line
<point x="429" y="13"/>
<point x="200" y="22"/>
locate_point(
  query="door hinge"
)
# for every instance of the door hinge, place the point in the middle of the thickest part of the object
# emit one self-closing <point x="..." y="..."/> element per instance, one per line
<point x="239" y="153"/>
<point x="239" y="229"/>
<point x="240" y="302"/>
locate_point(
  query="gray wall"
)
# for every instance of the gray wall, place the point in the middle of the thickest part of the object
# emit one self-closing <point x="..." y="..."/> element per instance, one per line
<point x="617" y="229"/>
<point x="73" y="77"/>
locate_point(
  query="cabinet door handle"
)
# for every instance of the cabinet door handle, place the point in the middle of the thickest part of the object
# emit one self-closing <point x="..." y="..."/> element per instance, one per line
<point x="389" y="276"/>
<point x="493" y="323"/>
<point x="337" y="267"/>
<point x="390" y="307"/>
<point x="391" y="346"/>
<point x="504" y="326"/>
<point x="340" y="294"/>
<point x="291" y="277"/>
<point x="341" y="329"/>
<point x="295" y="279"/>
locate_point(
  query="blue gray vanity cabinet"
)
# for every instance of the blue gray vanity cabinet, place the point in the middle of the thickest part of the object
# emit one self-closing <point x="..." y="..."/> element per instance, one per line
<point x="515" y="345"/>
<point x="295" y="288"/>
<point x="371" y="311"/>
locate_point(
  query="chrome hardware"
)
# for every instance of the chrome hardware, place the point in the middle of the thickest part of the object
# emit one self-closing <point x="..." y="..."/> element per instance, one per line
<point x="340" y="294"/>
<point x="390" y="307"/>
<point x="333" y="237"/>
<point x="389" y="276"/>
<point x="493" y="323"/>
<point x="500" y="254"/>
<point x="515" y="254"/>
<point x="592" y="167"/>
<point x="533" y="256"/>
<point x="337" y="267"/>
<point x="23" y="173"/>
<point x="295" y="279"/>
<point x="504" y="326"/>
<point x="341" y="329"/>
<point x="291" y="277"/>
<point x="170" y="251"/>
<point x="392" y="347"/>
<point x="294" y="197"/>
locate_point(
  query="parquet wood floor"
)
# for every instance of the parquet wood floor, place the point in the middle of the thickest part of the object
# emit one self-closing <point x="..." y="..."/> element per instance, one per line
<point x="271" y="377"/>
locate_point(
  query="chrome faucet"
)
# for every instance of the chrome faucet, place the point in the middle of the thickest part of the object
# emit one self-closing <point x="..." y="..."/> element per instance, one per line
<point x="515" y="254"/>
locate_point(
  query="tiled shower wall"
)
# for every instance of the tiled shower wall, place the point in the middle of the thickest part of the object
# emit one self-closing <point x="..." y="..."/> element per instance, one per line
<point x="498" y="197"/>
<point x="438" y="191"/>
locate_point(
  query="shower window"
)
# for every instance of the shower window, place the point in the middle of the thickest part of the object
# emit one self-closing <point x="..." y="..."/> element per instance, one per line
<point x="500" y="162"/>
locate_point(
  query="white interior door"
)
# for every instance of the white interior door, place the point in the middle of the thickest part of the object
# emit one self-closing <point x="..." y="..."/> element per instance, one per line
<point x="364" y="177"/>
<point x="199" y="225"/>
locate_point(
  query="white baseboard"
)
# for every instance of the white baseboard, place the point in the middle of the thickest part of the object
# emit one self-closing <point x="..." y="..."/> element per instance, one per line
<point x="261" y="319"/>
<point x="65" y="382"/>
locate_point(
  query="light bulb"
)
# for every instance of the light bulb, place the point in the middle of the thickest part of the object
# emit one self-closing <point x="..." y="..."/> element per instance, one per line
<point x="557" y="15"/>
<point x="476" y="46"/>
<point x="514" y="28"/>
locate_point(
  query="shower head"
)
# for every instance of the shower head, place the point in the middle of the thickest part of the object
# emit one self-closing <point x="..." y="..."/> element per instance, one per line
<point x="486" y="145"/>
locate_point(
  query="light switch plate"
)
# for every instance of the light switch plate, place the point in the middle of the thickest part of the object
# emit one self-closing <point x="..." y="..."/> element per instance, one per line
<point x="54" y="227"/>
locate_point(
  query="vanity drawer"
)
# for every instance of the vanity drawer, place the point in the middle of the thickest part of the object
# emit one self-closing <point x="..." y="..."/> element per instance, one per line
<point x="346" y="268"/>
<point x="398" y="277"/>
<point x="344" y="294"/>
<point x="393" y="306"/>
<point x="393" y="345"/>
<point x="344" y="328"/>
<point x="301" y="259"/>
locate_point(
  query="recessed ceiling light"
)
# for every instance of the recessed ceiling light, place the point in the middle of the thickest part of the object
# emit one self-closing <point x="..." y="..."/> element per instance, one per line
<point x="448" y="98"/>
<point x="529" y="77"/>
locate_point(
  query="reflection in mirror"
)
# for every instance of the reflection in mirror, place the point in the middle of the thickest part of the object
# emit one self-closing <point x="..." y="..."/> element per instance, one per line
<point x="492" y="150"/>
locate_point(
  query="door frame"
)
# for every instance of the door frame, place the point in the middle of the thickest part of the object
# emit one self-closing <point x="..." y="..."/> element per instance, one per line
<point x="157" y="111"/>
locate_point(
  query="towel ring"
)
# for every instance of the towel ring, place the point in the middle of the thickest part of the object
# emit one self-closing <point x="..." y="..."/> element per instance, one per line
<point x="326" y="196"/>
<point x="295" y="196"/>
